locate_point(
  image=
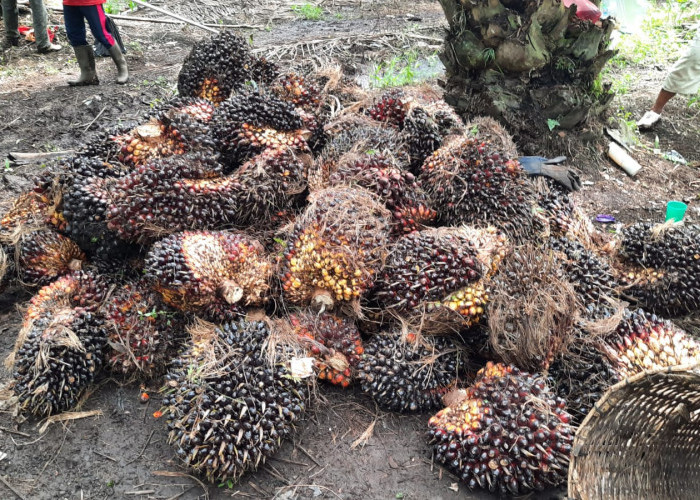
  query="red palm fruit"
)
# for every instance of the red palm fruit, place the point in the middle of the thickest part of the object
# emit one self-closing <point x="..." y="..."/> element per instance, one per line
<point x="215" y="274"/>
<point x="508" y="433"/>
<point x="391" y="108"/>
<point x="298" y="90"/>
<point x="140" y="331"/>
<point x="334" y="341"/>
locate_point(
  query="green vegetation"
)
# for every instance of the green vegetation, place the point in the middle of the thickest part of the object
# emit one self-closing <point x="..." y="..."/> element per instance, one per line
<point x="117" y="6"/>
<point x="308" y="11"/>
<point x="404" y="69"/>
<point x="552" y="124"/>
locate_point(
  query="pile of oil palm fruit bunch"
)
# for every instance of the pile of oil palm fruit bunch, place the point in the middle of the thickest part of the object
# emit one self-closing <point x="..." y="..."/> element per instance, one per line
<point x="268" y="216"/>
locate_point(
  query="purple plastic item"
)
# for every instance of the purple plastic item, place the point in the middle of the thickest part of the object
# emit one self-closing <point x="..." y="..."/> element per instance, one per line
<point x="604" y="218"/>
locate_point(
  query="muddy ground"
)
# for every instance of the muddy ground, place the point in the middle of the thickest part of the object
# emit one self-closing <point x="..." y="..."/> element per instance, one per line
<point x="123" y="452"/>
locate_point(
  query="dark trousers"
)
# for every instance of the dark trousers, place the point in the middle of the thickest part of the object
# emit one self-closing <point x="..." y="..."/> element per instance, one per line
<point x="75" y="24"/>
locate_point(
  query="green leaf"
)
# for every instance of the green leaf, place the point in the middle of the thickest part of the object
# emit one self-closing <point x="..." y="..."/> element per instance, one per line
<point x="552" y="124"/>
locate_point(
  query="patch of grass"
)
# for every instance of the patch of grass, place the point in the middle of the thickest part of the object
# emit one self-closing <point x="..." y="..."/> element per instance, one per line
<point x="624" y="83"/>
<point x="404" y="69"/>
<point x="117" y="6"/>
<point x="308" y="11"/>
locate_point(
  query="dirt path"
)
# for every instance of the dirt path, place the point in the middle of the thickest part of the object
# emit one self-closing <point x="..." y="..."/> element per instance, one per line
<point x="122" y="453"/>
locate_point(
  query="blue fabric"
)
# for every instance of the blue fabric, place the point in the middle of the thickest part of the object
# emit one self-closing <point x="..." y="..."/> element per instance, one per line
<point x="75" y="17"/>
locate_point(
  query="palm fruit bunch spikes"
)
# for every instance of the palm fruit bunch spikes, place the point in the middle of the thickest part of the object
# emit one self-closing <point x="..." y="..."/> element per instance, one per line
<point x="469" y="182"/>
<point x="396" y="187"/>
<point x="581" y="374"/>
<point x="556" y="210"/>
<point x="592" y="277"/>
<point x="409" y="373"/>
<point x="391" y="108"/>
<point x="422" y="136"/>
<point x="431" y="268"/>
<point x="60" y="357"/>
<point x="212" y="273"/>
<point x="298" y="90"/>
<point x="268" y="184"/>
<point x="334" y="342"/>
<point x="509" y="435"/>
<point x="643" y="341"/>
<point x="216" y="67"/>
<point x="44" y="255"/>
<point x="228" y="407"/>
<point x="354" y="135"/>
<point x="169" y="195"/>
<point x="672" y="252"/>
<point x="335" y="248"/>
<point x="140" y="331"/>
<point x="249" y="123"/>
<point x="29" y="211"/>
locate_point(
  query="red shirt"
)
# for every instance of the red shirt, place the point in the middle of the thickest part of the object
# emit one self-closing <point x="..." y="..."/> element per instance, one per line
<point x="82" y="3"/>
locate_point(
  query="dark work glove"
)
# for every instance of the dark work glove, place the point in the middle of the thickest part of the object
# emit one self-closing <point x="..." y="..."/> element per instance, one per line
<point x="538" y="165"/>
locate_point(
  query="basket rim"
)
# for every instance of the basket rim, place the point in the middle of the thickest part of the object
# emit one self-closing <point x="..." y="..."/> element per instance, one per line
<point x="608" y="401"/>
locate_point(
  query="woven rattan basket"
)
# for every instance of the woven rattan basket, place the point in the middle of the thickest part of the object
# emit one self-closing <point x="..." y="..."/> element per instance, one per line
<point x="641" y="440"/>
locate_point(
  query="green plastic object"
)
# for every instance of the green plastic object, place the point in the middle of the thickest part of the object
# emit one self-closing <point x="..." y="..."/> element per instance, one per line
<point x="675" y="210"/>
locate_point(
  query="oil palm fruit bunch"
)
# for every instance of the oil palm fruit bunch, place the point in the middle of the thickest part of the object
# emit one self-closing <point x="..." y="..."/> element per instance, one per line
<point x="581" y="374"/>
<point x="215" y="68"/>
<point x="141" y="331"/>
<point x="44" y="255"/>
<point x="268" y="184"/>
<point x="396" y="187"/>
<point x="335" y="248"/>
<point x="171" y="194"/>
<point x="180" y="110"/>
<point x="448" y="121"/>
<point x="29" y="211"/>
<point x="228" y="406"/>
<point x="212" y="273"/>
<point x="509" y="434"/>
<point x="410" y="373"/>
<point x="643" y="341"/>
<point x="673" y="253"/>
<point x="58" y="360"/>
<point x="422" y="136"/>
<point x="592" y="277"/>
<point x="85" y="206"/>
<point x="555" y="208"/>
<point x="469" y="182"/>
<point x="334" y="342"/>
<point x="304" y="94"/>
<point x="390" y="108"/>
<point x="249" y="123"/>
<point x="433" y="272"/>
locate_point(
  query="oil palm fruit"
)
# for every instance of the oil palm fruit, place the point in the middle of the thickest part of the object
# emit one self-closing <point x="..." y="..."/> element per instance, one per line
<point x="422" y="136"/>
<point x="44" y="255"/>
<point x="469" y="182"/>
<point x="249" y="123"/>
<point x="335" y="248"/>
<point x="396" y="187"/>
<point x="58" y="360"/>
<point x="409" y="373"/>
<point x="334" y="341"/>
<point x="228" y="406"/>
<point x="142" y="331"/>
<point x="643" y="341"/>
<point x="509" y="434"/>
<point x="215" y="274"/>
<point x="215" y="68"/>
<point x="390" y="108"/>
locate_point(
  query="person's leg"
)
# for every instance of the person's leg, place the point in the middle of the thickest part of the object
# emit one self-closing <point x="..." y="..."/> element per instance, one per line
<point x="661" y="100"/>
<point x="97" y="21"/>
<point x="75" y="29"/>
<point x="10" y="17"/>
<point x="39" y="23"/>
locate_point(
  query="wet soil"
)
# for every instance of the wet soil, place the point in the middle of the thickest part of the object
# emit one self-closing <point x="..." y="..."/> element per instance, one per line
<point x="123" y="452"/>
